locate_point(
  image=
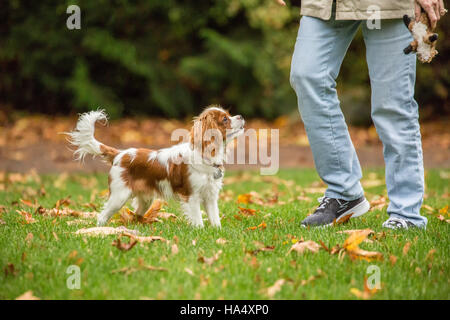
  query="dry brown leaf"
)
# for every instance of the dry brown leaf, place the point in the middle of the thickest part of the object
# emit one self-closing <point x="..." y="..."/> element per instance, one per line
<point x="303" y="246"/>
<point x="221" y="241"/>
<point x="444" y="210"/>
<point x="174" y="248"/>
<point x="430" y="255"/>
<point x="189" y="271"/>
<point x="66" y="212"/>
<point x="10" y="269"/>
<point x="27" y="216"/>
<point x="166" y="215"/>
<point x="355" y="231"/>
<point x="2" y="221"/>
<point x="129" y="270"/>
<point x="366" y="294"/>
<point x="351" y="246"/>
<point x="355" y="238"/>
<point x="124" y="246"/>
<point x="62" y="202"/>
<point x="319" y="274"/>
<point x="247" y="211"/>
<point x="378" y="203"/>
<point x="406" y="248"/>
<point x="393" y="259"/>
<point x="77" y="221"/>
<point x="210" y="261"/>
<point x="344" y="220"/>
<point x="104" y="231"/>
<point x="428" y="208"/>
<point x="27" y="296"/>
<point x="29" y="238"/>
<point x="28" y="203"/>
<point x="275" y="288"/>
<point x="262" y="225"/>
<point x="145" y="239"/>
<point x="152" y="212"/>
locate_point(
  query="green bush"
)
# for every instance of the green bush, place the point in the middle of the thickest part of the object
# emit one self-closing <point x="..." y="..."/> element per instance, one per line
<point x="171" y="58"/>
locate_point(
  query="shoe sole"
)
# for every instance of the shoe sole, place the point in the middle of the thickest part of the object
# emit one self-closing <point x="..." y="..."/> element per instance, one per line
<point x="356" y="211"/>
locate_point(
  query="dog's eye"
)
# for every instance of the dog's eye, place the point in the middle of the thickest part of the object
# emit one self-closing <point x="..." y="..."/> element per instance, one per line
<point x="225" y="119"/>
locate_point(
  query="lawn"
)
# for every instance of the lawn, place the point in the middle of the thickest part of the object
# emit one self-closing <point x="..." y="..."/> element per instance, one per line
<point x="247" y="262"/>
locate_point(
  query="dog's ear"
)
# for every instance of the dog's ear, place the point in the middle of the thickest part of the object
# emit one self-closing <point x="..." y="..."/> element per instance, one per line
<point x="406" y="20"/>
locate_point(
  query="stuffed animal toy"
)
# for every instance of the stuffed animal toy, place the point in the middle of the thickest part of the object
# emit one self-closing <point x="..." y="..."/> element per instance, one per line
<point x="424" y="42"/>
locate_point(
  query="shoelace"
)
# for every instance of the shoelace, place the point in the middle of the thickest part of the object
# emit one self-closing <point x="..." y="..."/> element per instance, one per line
<point x="323" y="202"/>
<point x="395" y="222"/>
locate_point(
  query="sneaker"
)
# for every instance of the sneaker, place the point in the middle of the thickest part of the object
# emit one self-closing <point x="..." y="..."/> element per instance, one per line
<point x="396" y="223"/>
<point x="335" y="210"/>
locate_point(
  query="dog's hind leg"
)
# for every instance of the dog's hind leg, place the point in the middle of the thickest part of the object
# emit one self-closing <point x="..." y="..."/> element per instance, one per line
<point x="141" y="205"/>
<point x="119" y="194"/>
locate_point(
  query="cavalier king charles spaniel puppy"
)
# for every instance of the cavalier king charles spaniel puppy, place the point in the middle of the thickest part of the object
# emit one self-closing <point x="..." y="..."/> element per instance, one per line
<point x="192" y="171"/>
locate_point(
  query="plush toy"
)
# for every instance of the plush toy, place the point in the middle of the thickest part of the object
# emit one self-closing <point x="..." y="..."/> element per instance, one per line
<point x="424" y="42"/>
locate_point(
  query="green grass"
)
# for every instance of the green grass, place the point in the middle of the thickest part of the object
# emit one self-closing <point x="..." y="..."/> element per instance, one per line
<point x="41" y="264"/>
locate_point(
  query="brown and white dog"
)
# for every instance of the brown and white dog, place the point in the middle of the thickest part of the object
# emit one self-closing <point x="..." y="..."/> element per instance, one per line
<point x="190" y="171"/>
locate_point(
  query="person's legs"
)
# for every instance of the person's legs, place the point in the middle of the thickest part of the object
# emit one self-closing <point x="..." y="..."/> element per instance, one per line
<point x="319" y="51"/>
<point x="395" y="115"/>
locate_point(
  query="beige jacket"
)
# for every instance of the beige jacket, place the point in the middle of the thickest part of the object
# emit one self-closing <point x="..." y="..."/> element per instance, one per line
<point x="357" y="9"/>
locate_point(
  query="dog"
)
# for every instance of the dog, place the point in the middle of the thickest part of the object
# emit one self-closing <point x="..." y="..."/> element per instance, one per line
<point x="191" y="172"/>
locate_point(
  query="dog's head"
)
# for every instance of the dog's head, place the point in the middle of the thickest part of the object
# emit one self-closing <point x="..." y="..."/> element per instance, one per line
<point x="215" y="127"/>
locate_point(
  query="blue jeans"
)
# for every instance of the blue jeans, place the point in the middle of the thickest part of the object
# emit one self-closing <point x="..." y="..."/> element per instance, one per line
<point x="319" y="51"/>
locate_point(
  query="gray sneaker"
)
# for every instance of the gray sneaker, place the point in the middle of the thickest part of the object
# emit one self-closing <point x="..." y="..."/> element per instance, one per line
<point x="396" y="223"/>
<point x="336" y="210"/>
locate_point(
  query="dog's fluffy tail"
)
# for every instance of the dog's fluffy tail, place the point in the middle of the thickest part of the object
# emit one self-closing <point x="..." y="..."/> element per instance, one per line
<point x="83" y="137"/>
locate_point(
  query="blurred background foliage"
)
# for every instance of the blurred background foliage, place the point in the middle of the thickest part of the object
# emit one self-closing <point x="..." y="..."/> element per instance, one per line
<point x="171" y="58"/>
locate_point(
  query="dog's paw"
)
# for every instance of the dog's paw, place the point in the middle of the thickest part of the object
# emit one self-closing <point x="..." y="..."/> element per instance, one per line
<point x="101" y="222"/>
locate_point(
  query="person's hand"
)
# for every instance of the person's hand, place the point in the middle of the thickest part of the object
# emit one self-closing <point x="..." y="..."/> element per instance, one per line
<point x="281" y="2"/>
<point x="433" y="8"/>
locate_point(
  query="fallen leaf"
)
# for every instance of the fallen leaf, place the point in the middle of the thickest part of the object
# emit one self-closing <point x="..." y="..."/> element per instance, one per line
<point x="174" y="249"/>
<point x="27" y="216"/>
<point x="189" y="271"/>
<point x="29" y="238"/>
<point x="275" y="288"/>
<point x="366" y="294"/>
<point x="124" y="246"/>
<point x="406" y="248"/>
<point x="319" y="274"/>
<point x="247" y="211"/>
<point x="10" y="269"/>
<point x="351" y="247"/>
<point x="444" y="210"/>
<point x="302" y="246"/>
<point x="430" y="255"/>
<point x="378" y="203"/>
<point x="210" y="261"/>
<point x="129" y="270"/>
<point x="262" y="225"/>
<point x="221" y="241"/>
<point x="143" y="239"/>
<point x="393" y="259"/>
<point x="27" y="296"/>
<point x="27" y="203"/>
<point x="104" y="231"/>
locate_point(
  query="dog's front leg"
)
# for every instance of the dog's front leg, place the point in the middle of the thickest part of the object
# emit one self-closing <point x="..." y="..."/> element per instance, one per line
<point x="212" y="210"/>
<point x="191" y="209"/>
